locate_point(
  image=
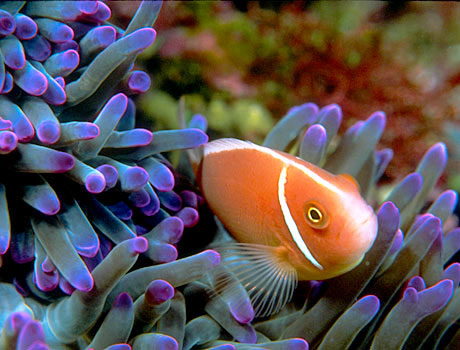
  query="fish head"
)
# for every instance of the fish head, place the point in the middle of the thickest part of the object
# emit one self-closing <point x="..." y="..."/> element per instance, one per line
<point x="330" y="226"/>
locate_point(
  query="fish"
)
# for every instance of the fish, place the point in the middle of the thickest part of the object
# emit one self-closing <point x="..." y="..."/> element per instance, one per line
<point x="291" y="220"/>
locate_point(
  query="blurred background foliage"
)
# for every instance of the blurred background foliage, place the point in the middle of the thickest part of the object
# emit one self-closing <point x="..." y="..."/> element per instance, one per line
<point x="244" y="64"/>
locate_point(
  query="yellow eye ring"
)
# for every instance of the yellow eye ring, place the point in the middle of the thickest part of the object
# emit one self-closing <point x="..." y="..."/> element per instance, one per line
<point x="316" y="215"/>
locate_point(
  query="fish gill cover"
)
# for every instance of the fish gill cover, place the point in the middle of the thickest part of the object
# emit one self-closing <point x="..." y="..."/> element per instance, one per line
<point x="91" y="214"/>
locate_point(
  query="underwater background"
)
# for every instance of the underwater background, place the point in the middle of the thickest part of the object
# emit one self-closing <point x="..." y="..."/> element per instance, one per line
<point x="105" y="240"/>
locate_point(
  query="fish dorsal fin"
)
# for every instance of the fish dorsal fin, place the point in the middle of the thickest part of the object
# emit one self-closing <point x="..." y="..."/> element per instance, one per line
<point x="227" y="144"/>
<point x="268" y="280"/>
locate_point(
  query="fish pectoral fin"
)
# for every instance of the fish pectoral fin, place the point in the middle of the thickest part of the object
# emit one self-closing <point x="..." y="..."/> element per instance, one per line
<point x="269" y="280"/>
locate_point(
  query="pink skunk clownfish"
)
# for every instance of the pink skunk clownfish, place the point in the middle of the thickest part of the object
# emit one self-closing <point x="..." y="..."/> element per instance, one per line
<point x="293" y="220"/>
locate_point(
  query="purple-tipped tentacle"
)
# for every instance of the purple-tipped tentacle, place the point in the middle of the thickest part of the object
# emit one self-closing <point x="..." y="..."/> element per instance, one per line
<point x="54" y="94"/>
<point x="8" y="84"/>
<point x="26" y="28"/>
<point x="138" y="82"/>
<point x="22" y="126"/>
<point x="8" y="142"/>
<point x="13" y="52"/>
<point x="37" y="48"/>
<point x="62" y="63"/>
<point x="189" y="216"/>
<point x="102" y="14"/>
<point x="170" y="200"/>
<point x="95" y="41"/>
<point x="110" y="173"/>
<point x="31" y="80"/>
<point x="160" y="176"/>
<point x="7" y="23"/>
<point x="139" y="199"/>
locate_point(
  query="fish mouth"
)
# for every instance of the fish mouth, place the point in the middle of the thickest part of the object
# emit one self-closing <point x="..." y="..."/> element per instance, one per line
<point x="369" y="227"/>
<point x="368" y="219"/>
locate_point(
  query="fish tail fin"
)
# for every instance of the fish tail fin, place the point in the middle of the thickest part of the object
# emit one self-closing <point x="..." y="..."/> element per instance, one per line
<point x="253" y="278"/>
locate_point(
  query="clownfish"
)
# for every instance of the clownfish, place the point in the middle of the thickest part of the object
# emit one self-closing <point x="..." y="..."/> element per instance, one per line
<point x="291" y="219"/>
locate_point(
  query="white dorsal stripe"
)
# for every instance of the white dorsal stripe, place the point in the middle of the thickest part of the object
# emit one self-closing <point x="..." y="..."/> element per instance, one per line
<point x="229" y="144"/>
<point x="290" y="223"/>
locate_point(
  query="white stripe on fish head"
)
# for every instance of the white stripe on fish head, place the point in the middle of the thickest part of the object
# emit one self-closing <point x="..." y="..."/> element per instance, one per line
<point x="290" y="223"/>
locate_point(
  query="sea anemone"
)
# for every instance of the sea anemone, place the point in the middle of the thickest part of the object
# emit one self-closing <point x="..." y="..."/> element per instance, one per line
<point x="80" y="185"/>
<point x="88" y="204"/>
<point x="78" y="176"/>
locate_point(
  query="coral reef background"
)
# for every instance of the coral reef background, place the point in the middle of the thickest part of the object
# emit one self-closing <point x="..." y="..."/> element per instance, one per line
<point x="105" y="242"/>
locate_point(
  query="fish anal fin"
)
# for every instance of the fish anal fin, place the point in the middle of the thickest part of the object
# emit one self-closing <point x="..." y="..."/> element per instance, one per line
<point x="268" y="279"/>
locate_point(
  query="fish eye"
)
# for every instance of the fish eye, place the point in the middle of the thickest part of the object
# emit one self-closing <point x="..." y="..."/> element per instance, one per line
<point x="315" y="215"/>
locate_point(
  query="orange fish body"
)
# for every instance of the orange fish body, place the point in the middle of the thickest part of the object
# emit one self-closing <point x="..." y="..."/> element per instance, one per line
<point x="308" y="219"/>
